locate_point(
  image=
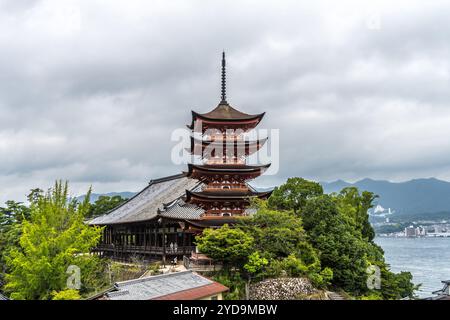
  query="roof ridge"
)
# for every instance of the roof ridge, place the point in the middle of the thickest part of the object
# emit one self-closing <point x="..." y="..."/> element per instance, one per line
<point x="167" y="178"/>
<point x="117" y="293"/>
<point x="213" y="284"/>
<point x="170" y="204"/>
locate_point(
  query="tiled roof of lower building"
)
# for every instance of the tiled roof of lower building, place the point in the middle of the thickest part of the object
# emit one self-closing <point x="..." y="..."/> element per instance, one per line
<point x="196" y="293"/>
<point x="186" y="284"/>
<point x="179" y="209"/>
<point x="146" y="204"/>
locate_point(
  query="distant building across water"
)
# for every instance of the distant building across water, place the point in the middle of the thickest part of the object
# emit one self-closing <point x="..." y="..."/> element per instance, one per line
<point x="412" y="232"/>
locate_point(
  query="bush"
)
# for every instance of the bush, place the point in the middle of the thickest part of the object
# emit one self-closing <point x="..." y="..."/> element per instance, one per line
<point x="232" y="246"/>
<point x="69" y="294"/>
<point x="234" y="282"/>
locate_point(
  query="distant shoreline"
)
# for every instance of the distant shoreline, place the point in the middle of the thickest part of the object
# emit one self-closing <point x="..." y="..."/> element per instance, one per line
<point x="404" y="237"/>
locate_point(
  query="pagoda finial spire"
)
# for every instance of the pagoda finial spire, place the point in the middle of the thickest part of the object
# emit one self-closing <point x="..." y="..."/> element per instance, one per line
<point x="224" y="88"/>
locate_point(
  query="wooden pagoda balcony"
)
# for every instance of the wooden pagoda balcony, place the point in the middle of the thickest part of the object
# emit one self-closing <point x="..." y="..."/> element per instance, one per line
<point x="224" y="160"/>
<point x="150" y="250"/>
<point x="219" y="213"/>
<point x="225" y="187"/>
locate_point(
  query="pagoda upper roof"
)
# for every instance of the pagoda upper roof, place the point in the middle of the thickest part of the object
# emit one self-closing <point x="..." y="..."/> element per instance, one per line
<point x="225" y="113"/>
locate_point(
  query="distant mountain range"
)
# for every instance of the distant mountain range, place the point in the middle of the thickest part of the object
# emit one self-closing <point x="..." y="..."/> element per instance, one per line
<point x="404" y="198"/>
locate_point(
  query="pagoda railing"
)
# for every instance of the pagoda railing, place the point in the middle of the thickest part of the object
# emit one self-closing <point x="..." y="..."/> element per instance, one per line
<point x="219" y="213"/>
<point x="227" y="187"/>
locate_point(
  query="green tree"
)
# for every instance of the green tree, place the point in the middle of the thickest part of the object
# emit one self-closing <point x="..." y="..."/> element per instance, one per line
<point x="69" y="294"/>
<point x="294" y="194"/>
<point x="11" y="218"/>
<point x="356" y="205"/>
<point x="255" y="263"/>
<point x="338" y="228"/>
<point x="341" y="249"/>
<point x="280" y="238"/>
<point x="276" y="233"/>
<point x="396" y="285"/>
<point x="54" y="238"/>
<point x="232" y="246"/>
<point x="14" y="212"/>
<point x="104" y="204"/>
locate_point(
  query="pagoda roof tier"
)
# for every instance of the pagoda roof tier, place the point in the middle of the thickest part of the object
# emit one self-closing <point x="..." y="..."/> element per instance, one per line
<point x="250" y="147"/>
<point x="210" y="172"/>
<point x="225" y="116"/>
<point x="224" y="196"/>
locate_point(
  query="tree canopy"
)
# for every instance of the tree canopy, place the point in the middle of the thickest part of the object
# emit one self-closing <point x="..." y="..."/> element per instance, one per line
<point x="300" y="231"/>
<point x="229" y="245"/>
<point x="104" y="204"/>
<point x="338" y="228"/>
<point x="293" y="194"/>
<point x="54" y="238"/>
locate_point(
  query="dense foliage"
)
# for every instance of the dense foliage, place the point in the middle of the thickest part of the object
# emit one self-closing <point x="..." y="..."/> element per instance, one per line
<point x="11" y="218"/>
<point x="52" y="239"/>
<point x="300" y="231"/>
<point x="103" y="205"/>
<point x="294" y="194"/>
<point x="229" y="245"/>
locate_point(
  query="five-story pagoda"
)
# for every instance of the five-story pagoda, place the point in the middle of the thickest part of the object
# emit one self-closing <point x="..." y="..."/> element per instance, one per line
<point x="161" y="220"/>
<point x="219" y="139"/>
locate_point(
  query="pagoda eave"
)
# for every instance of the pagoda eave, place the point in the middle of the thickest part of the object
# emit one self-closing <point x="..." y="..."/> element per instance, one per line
<point x="206" y="172"/>
<point x="228" y="196"/>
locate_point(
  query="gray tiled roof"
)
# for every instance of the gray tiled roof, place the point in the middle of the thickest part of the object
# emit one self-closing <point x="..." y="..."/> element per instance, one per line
<point x="161" y="197"/>
<point x="2" y="297"/>
<point x="178" y="209"/>
<point x="146" y="204"/>
<point x="157" y="286"/>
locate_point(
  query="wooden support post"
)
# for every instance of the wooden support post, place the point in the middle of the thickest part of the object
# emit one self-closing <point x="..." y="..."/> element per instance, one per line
<point x="145" y="238"/>
<point x="164" y="243"/>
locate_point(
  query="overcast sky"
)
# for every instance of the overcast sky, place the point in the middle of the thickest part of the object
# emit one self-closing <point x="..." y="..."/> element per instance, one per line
<point x="90" y="91"/>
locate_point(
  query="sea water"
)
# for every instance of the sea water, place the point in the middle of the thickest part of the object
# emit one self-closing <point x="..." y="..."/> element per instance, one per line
<point x="428" y="259"/>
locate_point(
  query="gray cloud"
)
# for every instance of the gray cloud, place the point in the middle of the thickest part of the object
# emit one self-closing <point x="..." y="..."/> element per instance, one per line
<point x="90" y="91"/>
